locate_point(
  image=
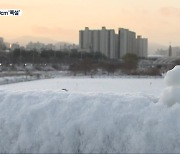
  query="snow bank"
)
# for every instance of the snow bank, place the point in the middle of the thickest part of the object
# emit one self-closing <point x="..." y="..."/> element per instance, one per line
<point x="62" y="122"/>
<point x="172" y="77"/>
<point x="171" y="93"/>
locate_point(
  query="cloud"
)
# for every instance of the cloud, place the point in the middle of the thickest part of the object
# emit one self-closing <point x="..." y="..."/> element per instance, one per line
<point x="170" y="11"/>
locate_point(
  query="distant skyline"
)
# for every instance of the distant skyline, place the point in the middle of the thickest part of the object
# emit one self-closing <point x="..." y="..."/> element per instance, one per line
<point x="61" y="20"/>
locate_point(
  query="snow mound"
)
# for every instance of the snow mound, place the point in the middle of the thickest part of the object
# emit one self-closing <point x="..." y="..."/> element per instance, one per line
<point x="171" y="94"/>
<point x="172" y="78"/>
<point x="63" y="122"/>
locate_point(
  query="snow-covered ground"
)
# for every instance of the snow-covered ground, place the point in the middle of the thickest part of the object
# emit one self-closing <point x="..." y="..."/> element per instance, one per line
<point x="95" y="85"/>
<point x="95" y="115"/>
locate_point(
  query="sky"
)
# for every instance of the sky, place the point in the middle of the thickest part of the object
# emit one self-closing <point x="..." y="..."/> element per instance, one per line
<point x="61" y="20"/>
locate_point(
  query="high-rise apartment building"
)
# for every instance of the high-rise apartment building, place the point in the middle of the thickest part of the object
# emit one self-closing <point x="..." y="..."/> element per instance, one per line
<point x="113" y="46"/>
<point x="127" y="42"/>
<point x="98" y="41"/>
<point x="1" y="40"/>
<point x="85" y="39"/>
<point x="2" y="44"/>
<point x="141" y="46"/>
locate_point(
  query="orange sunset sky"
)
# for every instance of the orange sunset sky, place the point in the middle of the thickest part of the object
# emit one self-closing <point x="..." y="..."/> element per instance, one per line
<point x="61" y="20"/>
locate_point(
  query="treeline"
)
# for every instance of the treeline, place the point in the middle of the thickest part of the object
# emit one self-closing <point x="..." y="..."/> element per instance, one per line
<point x="127" y="65"/>
<point x="19" y="56"/>
<point x="88" y="63"/>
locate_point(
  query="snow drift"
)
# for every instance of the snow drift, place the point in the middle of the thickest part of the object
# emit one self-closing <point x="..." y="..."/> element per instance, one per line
<point x="63" y="122"/>
<point x="171" y="94"/>
<point x="172" y="77"/>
